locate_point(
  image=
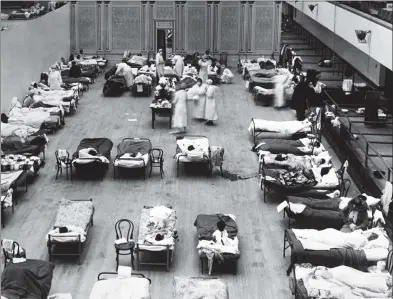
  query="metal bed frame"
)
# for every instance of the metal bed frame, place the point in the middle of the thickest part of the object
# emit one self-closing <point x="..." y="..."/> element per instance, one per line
<point x="99" y="276"/>
<point x="342" y="187"/>
<point x="80" y="245"/>
<point x="133" y="159"/>
<point x="206" y="160"/>
<point x="300" y="295"/>
<point x="169" y="252"/>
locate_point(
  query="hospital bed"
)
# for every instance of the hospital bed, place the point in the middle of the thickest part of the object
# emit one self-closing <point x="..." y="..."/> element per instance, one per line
<point x="290" y="129"/>
<point x="304" y="274"/>
<point x="13" y="180"/>
<point x="137" y="286"/>
<point x="199" y="287"/>
<point x="194" y="149"/>
<point x="142" y="85"/>
<point x="34" y="145"/>
<point x="133" y="153"/>
<point x="27" y="279"/>
<point x="114" y="85"/>
<point x="136" y="61"/>
<point x="6" y="202"/>
<point x="301" y="181"/>
<point x="77" y="217"/>
<point x="156" y="221"/>
<point x="358" y="259"/>
<point x="88" y="165"/>
<point x="206" y="225"/>
<point x="68" y="99"/>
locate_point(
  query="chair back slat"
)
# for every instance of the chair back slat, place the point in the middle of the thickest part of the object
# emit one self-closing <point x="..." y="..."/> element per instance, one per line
<point x="124" y="228"/>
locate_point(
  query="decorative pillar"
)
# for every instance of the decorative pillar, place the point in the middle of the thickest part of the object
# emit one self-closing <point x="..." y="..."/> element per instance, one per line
<point x="209" y="23"/>
<point x="177" y="26"/>
<point x="183" y="26"/>
<point x="215" y="26"/>
<point x="73" y="27"/>
<point x="277" y="44"/>
<point x="145" y="26"/>
<point x="99" y="25"/>
<point x="107" y="25"/>
<point x="152" y="34"/>
<point x="249" y="37"/>
<point x="243" y="26"/>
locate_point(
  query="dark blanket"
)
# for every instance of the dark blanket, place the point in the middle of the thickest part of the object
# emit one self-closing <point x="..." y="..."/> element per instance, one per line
<point x="103" y="146"/>
<point x="317" y="219"/>
<point x="15" y="145"/>
<point x="281" y="146"/>
<point x="207" y="224"/>
<point x="110" y="73"/>
<point x="331" y="204"/>
<point x="289" y="182"/>
<point x="28" y="280"/>
<point x="187" y="81"/>
<point x="327" y="258"/>
<point x="133" y="147"/>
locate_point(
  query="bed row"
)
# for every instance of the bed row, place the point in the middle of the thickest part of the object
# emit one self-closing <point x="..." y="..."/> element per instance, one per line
<point x="24" y="134"/>
<point x="93" y="155"/>
<point x="339" y="246"/>
<point x="34" y="277"/>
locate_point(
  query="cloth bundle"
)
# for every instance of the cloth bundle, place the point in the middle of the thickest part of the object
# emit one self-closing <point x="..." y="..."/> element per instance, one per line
<point x="19" y="162"/>
<point x="143" y="79"/>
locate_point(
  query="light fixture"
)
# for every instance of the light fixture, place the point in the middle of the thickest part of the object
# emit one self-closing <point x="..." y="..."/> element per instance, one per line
<point x="362" y="35"/>
<point x="312" y="7"/>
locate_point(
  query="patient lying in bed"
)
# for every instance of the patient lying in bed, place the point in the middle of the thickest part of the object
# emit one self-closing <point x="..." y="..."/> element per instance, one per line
<point x="87" y="155"/>
<point x="344" y="282"/>
<point x="293" y="162"/>
<point x="221" y="243"/>
<point x="286" y="127"/>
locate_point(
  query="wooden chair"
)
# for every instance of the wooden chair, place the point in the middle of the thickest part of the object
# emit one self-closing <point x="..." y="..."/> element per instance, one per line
<point x="156" y="160"/>
<point x="63" y="161"/>
<point x="12" y="249"/>
<point x="126" y="232"/>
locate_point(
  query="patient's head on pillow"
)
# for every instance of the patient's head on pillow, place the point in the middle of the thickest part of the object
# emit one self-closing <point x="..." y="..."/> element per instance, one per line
<point x="92" y="152"/>
<point x="325" y="170"/>
<point x="221" y="225"/>
<point x="372" y="236"/>
<point x="159" y="237"/>
<point x="359" y="202"/>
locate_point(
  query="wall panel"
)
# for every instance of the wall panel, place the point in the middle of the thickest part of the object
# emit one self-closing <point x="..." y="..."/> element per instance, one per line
<point x="165" y="10"/>
<point x="263" y="30"/>
<point x="87" y="27"/>
<point x="196" y="33"/>
<point x="126" y="28"/>
<point x="229" y="27"/>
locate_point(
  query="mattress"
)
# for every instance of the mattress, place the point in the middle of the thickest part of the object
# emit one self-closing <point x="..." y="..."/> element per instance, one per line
<point x="117" y="288"/>
<point x="31" y="279"/>
<point x="192" y="149"/>
<point x="133" y="153"/>
<point x="328" y="258"/>
<point x="199" y="287"/>
<point x="75" y="213"/>
<point x="53" y="122"/>
<point x="157" y="220"/>
<point x="13" y="179"/>
<point x="286" y="127"/>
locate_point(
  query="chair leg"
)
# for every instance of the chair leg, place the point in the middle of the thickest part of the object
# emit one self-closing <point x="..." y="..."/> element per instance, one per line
<point x="132" y="259"/>
<point x="67" y="173"/>
<point x="71" y="172"/>
<point x="57" y="172"/>
<point x="117" y="259"/>
<point x="151" y="168"/>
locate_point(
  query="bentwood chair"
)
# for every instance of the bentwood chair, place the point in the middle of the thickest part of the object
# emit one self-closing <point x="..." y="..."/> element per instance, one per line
<point x="12" y="249"/>
<point x="63" y="161"/>
<point x="124" y="228"/>
<point x="157" y="160"/>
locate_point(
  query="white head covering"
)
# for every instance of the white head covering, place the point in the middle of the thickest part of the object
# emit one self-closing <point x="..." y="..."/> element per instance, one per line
<point x="209" y="81"/>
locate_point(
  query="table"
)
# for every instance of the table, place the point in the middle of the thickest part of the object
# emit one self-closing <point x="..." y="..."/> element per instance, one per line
<point x="164" y="112"/>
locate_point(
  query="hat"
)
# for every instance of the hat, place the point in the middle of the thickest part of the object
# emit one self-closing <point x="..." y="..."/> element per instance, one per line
<point x="209" y="81"/>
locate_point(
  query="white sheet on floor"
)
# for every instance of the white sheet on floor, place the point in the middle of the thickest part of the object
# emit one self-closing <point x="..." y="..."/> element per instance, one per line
<point x="126" y="288"/>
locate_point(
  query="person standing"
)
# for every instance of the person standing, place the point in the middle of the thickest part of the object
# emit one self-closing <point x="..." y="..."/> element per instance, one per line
<point x="198" y="94"/>
<point x="160" y="63"/>
<point x="179" y="65"/>
<point x="179" y="121"/>
<point x="227" y="75"/>
<point x="203" y="72"/>
<point x="211" y="107"/>
<point x="299" y="98"/>
<point x="54" y="80"/>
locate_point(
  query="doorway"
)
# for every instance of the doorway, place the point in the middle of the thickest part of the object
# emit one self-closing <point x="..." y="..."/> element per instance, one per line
<point x="165" y="41"/>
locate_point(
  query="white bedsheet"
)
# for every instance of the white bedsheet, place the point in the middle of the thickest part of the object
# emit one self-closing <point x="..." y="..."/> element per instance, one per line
<point x="24" y="116"/>
<point x="345" y="282"/>
<point x="329" y="180"/>
<point x="199" y="153"/>
<point x="127" y="161"/>
<point x="21" y="131"/>
<point x="86" y="158"/>
<point x="72" y="235"/>
<point x="331" y="238"/>
<point x="121" y="288"/>
<point x="286" y="127"/>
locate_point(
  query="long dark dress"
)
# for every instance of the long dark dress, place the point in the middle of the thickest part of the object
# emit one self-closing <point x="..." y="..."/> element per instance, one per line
<point x="299" y="100"/>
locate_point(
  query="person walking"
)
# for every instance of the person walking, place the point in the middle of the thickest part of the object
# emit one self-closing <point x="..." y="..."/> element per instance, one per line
<point x="211" y="107"/>
<point x="198" y="94"/>
<point x="179" y="65"/>
<point x="160" y="63"/>
<point x="179" y="120"/>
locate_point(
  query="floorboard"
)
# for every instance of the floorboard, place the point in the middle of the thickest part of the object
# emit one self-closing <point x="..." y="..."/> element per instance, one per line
<point x="261" y="268"/>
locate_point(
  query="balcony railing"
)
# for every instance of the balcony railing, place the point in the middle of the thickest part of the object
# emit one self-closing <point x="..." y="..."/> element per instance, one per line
<point x="376" y="9"/>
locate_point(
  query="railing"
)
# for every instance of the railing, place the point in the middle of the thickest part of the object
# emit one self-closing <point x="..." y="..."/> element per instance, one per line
<point x="374" y="9"/>
<point x="351" y="130"/>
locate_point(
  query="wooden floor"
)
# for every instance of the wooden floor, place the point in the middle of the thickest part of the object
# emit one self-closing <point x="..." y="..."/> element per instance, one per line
<point x="261" y="268"/>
